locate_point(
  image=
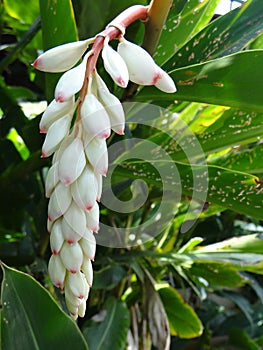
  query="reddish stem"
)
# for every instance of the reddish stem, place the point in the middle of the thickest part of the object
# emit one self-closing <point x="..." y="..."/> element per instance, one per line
<point x="112" y="31"/>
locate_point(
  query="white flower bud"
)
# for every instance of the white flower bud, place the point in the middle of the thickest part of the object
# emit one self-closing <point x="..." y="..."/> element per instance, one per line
<point x="56" y="237"/>
<point x="71" y="298"/>
<point x="115" y="66"/>
<point x="94" y="117"/>
<point x="88" y="245"/>
<point x="82" y="309"/>
<point x="62" y="57"/>
<point x="71" y="82"/>
<point x="114" y="109"/>
<point x="51" y="179"/>
<point x="59" y="202"/>
<point x="88" y="271"/>
<point x="99" y="181"/>
<point x="72" y="308"/>
<point x="49" y="225"/>
<point x="72" y="162"/>
<point x="142" y="68"/>
<point x="56" y="133"/>
<point x="77" y="284"/>
<point x="93" y="217"/>
<point x="56" y="271"/>
<point x="72" y="257"/>
<point x="165" y="83"/>
<point x="74" y="223"/>
<point x="84" y="190"/>
<point x="97" y="153"/>
<point x="54" y="111"/>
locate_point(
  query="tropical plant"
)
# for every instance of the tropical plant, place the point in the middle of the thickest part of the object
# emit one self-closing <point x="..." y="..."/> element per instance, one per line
<point x="179" y="252"/>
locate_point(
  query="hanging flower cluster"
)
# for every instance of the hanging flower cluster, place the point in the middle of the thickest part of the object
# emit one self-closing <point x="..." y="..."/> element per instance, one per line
<point x="80" y="159"/>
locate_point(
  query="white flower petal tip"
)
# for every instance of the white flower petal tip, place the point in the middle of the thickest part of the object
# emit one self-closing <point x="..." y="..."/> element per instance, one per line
<point x="95" y="118"/>
<point x="141" y="66"/>
<point x="97" y="154"/>
<point x="115" y="66"/>
<point x="72" y="257"/>
<point x="71" y="82"/>
<point x="61" y="58"/>
<point x="71" y="162"/>
<point x="57" y="271"/>
<point x="165" y="83"/>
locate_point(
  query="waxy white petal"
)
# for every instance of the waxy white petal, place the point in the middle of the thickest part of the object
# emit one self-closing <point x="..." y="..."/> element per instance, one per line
<point x="142" y="68"/>
<point x="57" y="271"/>
<point x="114" y="109"/>
<point x="72" y="257"/>
<point x="93" y="217"/>
<point x="62" y="57"/>
<point x="69" y="234"/>
<point x="56" y="133"/>
<point x="82" y="309"/>
<point x="51" y="179"/>
<point x="59" y="202"/>
<point x="115" y="66"/>
<point x="88" y="245"/>
<point x="166" y="83"/>
<point x="72" y="162"/>
<point x="56" y="237"/>
<point x="71" y="82"/>
<point x="76" y="219"/>
<point x="99" y="181"/>
<point x="77" y="284"/>
<point x="88" y="271"/>
<point x="54" y="111"/>
<point x="94" y="117"/>
<point x="85" y="189"/>
<point x="97" y="154"/>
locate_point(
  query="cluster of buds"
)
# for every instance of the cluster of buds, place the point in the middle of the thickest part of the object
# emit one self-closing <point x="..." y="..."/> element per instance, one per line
<point x="76" y="132"/>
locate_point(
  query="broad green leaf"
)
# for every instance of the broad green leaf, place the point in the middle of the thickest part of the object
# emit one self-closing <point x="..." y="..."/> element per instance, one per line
<point x="238" y="337"/>
<point x="182" y="318"/>
<point x="58" y="27"/>
<point x="226" y="35"/>
<point x="250" y="161"/>
<point x="180" y="27"/>
<point x="217" y="274"/>
<point x="31" y="319"/>
<point x="109" y="328"/>
<point x="108" y="277"/>
<point x="20" y="10"/>
<point x="234" y="80"/>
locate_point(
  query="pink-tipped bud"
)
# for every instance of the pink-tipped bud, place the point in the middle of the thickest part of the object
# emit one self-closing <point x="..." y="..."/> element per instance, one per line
<point x="57" y="271"/>
<point x="72" y="162"/>
<point x="54" y="111"/>
<point x="55" y="135"/>
<point x="82" y="309"/>
<point x="84" y="190"/>
<point x="76" y="219"/>
<point x="93" y="217"/>
<point x="115" y="66"/>
<point x="59" y="202"/>
<point x="72" y="257"/>
<point x="94" y="117"/>
<point x="99" y="181"/>
<point x="142" y="68"/>
<point x="51" y="179"/>
<point x="166" y="83"/>
<point x="77" y="284"/>
<point x="56" y="237"/>
<point x="97" y="154"/>
<point x="71" y="82"/>
<point x="61" y="58"/>
<point x="88" y="245"/>
<point x="114" y="109"/>
<point x="88" y="271"/>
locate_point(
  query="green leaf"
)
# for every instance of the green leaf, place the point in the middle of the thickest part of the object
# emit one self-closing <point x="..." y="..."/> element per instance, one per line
<point x="226" y="35"/>
<point x="58" y="27"/>
<point x="238" y="337"/>
<point x="181" y="26"/>
<point x="182" y="318"/>
<point x="109" y="328"/>
<point x="234" y="80"/>
<point x="29" y="308"/>
<point x="218" y="274"/>
<point x="108" y="277"/>
<point x="20" y="10"/>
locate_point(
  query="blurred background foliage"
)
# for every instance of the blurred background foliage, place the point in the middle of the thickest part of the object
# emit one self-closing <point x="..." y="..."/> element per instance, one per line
<point x="203" y="286"/>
